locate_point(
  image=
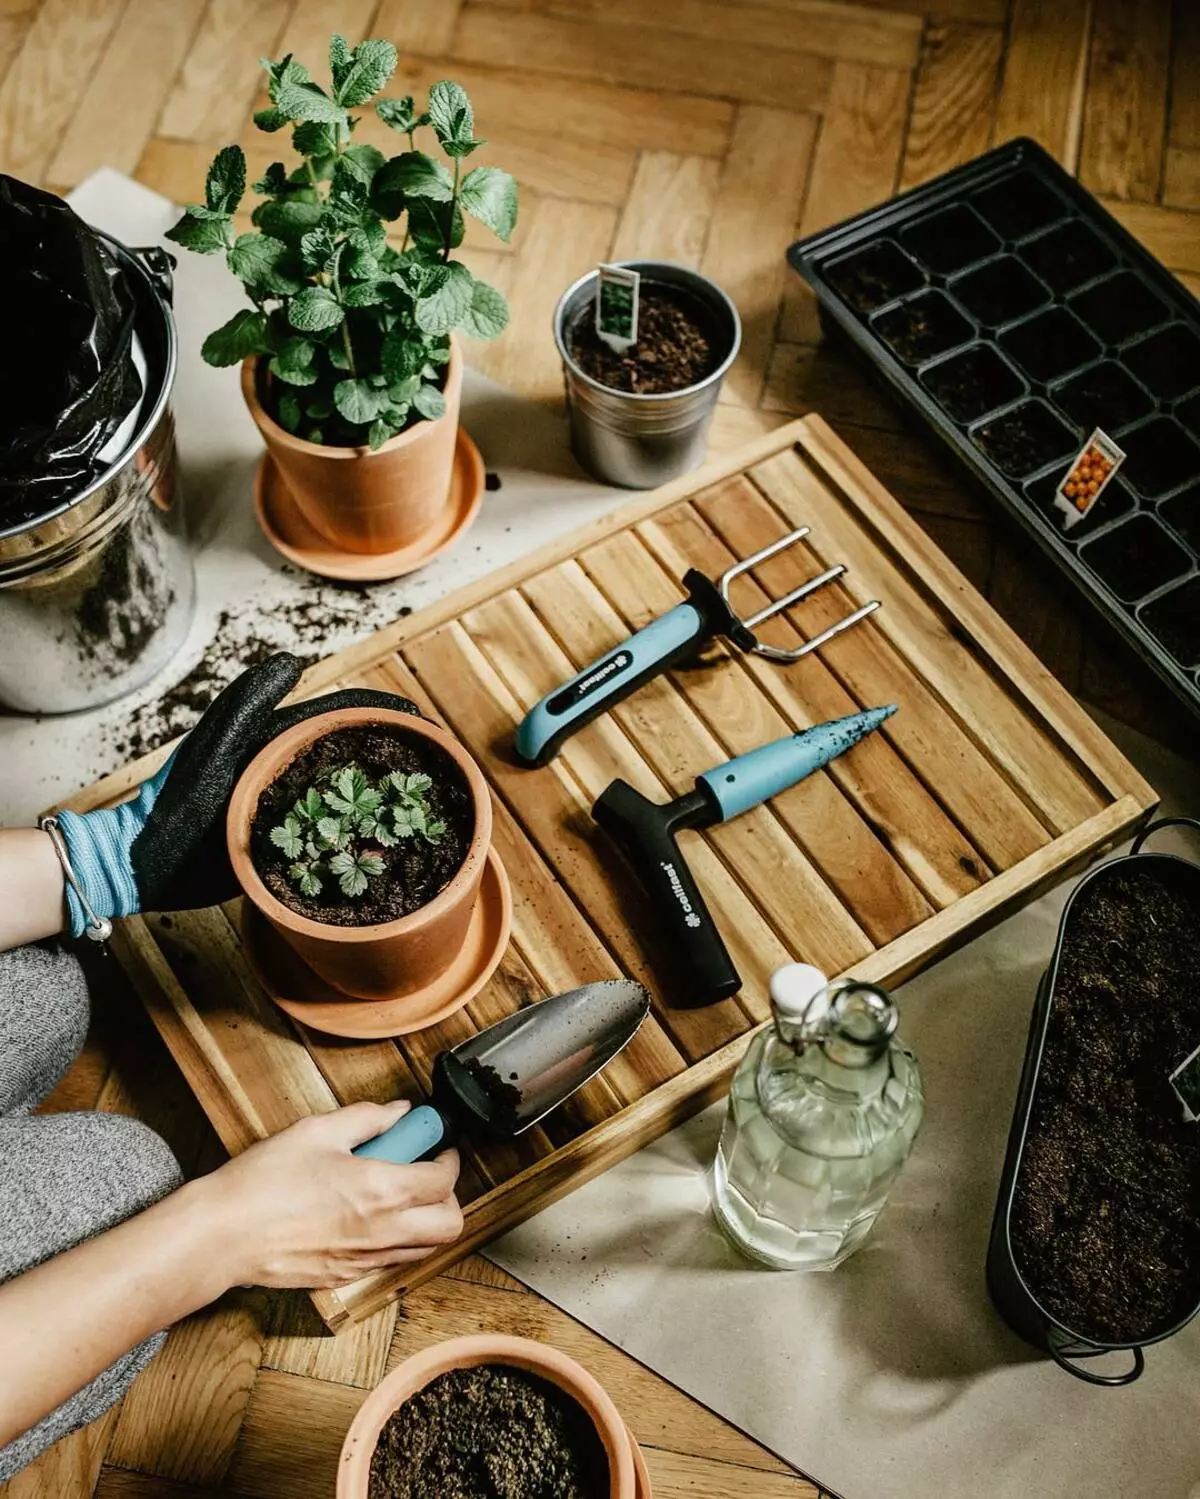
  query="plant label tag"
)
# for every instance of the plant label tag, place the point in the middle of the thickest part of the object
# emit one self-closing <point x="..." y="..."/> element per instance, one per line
<point x="1186" y="1082"/>
<point x="617" y="306"/>
<point x="1086" y="478"/>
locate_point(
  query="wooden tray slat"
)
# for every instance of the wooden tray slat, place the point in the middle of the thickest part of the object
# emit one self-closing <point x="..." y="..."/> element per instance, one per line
<point x="986" y="787"/>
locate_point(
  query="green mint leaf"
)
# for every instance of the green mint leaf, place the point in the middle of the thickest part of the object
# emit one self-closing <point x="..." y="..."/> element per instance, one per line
<point x="270" y="120"/>
<point x="340" y="56"/>
<point x="294" y="362"/>
<point x="430" y="402"/>
<point x="400" y="114"/>
<point x="244" y="334"/>
<point x="314" y="434"/>
<point x="490" y="195"/>
<point x="207" y="236"/>
<point x="226" y="180"/>
<point x="487" y="315"/>
<point x="317" y="248"/>
<point x="319" y="411"/>
<point x="451" y="115"/>
<point x="416" y="175"/>
<point x="364" y="161"/>
<point x="314" y="310"/>
<point x="400" y="357"/>
<point x="274" y="181"/>
<point x="315" y="138"/>
<point x="445" y="307"/>
<point x="289" y="221"/>
<point x="433" y="225"/>
<point x="362" y="294"/>
<point x="371" y="64"/>
<point x="288" y="412"/>
<point x="306" y="100"/>
<point x="357" y="400"/>
<point x="262" y="261"/>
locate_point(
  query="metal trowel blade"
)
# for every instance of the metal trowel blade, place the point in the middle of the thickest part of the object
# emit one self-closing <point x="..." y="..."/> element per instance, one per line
<point x="530" y="1062"/>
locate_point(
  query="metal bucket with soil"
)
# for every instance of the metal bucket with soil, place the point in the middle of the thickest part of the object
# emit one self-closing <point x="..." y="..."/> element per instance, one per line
<point x="1095" y="1243"/>
<point x="97" y="591"/>
<point x="641" y="417"/>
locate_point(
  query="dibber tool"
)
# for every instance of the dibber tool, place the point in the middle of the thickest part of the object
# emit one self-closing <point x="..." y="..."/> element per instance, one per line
<point x="668" y="640"/>
<point x="646" y="833"/>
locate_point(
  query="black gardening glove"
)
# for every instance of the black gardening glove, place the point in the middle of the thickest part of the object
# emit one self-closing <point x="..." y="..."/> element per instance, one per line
<point x="164" y="850"/>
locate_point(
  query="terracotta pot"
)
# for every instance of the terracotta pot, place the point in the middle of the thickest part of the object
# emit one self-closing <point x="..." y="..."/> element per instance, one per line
<point x="369" y="962"/>
<point x="628" y="1476"/>
<point x="364" y="501"/>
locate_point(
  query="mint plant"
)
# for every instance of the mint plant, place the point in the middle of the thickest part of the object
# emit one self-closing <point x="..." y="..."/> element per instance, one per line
<point x="329" y="831"/>
<point x="357" y="331"/>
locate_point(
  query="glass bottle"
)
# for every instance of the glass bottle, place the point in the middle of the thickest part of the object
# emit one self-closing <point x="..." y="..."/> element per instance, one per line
<point x="823" y="1112"/>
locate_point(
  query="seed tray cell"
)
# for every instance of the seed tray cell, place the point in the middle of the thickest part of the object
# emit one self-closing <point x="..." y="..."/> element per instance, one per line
<point x="1110" y="340"/>
<point x="876" y="275"/>
<point x="1135" y="558"/>
<point x="950" y="241"/>
<point x="1104" y="395"/>
<point x="1168" y="362"/>
<point x="1000" y="291"/>
<point x="1069" y="256"/>
<point x="922" y="327"/>
<point x="1050" y="344"/>
<point x="1174" y="619"/>
<point x="1119" y="308"/>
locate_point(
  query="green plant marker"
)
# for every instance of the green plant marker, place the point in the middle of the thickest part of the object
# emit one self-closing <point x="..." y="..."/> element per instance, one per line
<point x="1186" y="1082"/>
<point x="617" y="290"/>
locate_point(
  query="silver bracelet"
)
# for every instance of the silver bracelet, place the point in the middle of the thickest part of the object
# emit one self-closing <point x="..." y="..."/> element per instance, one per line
<point x="99" y="928"/>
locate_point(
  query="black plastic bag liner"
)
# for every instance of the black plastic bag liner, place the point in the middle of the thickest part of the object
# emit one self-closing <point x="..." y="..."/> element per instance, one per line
<point x="67" y="380"/>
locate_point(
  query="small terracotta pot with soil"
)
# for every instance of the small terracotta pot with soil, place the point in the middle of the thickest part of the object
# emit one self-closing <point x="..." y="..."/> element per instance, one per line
<point x="362" y="500"/>
<point x="490" y="1414"/>
<point x="398" y="934"/>
<point x="640" y="418"/>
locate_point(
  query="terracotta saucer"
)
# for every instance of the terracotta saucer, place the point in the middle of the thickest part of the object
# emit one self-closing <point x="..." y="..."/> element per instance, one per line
<point x="292" y="536"/>
<point x="300" y="993"/>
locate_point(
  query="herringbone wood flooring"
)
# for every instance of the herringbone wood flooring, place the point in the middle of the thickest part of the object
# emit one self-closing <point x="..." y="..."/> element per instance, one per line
<point x="710" y="131"/>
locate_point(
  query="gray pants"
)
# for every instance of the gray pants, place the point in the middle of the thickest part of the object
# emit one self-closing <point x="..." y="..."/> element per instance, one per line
<point x="63" y="1177"/>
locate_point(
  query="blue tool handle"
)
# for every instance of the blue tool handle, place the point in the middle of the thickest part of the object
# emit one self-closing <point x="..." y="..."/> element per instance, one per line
<point x="763" y="773"/>
<point x="596" y="688"/>
<point x="421" y="1130"/>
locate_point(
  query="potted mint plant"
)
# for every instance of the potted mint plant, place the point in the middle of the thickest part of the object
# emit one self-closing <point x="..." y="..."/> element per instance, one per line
<point x="350" y="364"/>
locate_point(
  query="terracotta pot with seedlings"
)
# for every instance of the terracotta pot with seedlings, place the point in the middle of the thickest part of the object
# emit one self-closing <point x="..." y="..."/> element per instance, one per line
<point x="349" y="367"/>
<point x="534" y="1415"/>
<point x="362" y="837"/>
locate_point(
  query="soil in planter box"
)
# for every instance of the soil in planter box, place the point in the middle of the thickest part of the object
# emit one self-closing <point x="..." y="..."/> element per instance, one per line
<point x="1103" y="396"/>
<point x="972" y="383"/>
<point x="1018" y="205"/>
<point x="1106" y="1212"/>
<point x="1159" y="457"/>
<point x="678" y="344"/>
<point x="1051" y="344"/>
<point x="1024" y="439"/>
<point x="920" y="328"/>
<point x="414" y="870"/>
<point x="951" y="240"/>
<point x="1183" y="512"/>
<point x="1168" y="362"/>
<point x="1175" y="620"/>
<point x="489" y="1432"/>
<point x="1118" y="308"/>
<point x="1135" y="558"/>
<point x="1113" y="502"/>
<point x="1068" y="256"/>
<point x="869" y="278"/>
<point x="1000" y="291"/>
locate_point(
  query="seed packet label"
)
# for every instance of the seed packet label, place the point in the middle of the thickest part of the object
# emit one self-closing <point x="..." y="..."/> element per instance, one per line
<point x="1186" y="1082"/>
<point x="1087" y="477"/>
<point x="617" y="306"/>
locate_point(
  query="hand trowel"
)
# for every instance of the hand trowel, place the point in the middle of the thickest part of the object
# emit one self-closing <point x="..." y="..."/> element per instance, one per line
<point x="508" y="1077"/>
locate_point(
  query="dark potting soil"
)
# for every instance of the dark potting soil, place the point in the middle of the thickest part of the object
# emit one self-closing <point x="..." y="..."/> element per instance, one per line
<point x="678" y="344"/>
<point x="1106" y="1211"/>
<point x="1119" y="307"/>
<point x="1183" y="512"/>
<point x="1160" y="456"/>
<point x="1136" y="557"/>
<point x="489" y="1432"/>
<point x="1018" y="205"/>
<point x="1068" y="256"/>
<point x="872" y="276"/>
<point x="1168" y="362"/>
<point x="1175" y="620"/>
<point x="1103" y="396"/>
<point x="414" y="870"/>
<point x="1114" y="501"/>
<point x="972" y="383"/>
<point x="129" y="599"/>
<point x="922" y="327"/>
<point x="1050" y="344"/>
<point x="1024" y="439"/>
<point x="1000" y="291"/>
<point x="503" y="1095"/>
<point x="950" y="240"/>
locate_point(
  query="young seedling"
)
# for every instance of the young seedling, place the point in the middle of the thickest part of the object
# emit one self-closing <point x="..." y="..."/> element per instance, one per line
<point x="329" y="833"/>
<point x="350" y="268"/>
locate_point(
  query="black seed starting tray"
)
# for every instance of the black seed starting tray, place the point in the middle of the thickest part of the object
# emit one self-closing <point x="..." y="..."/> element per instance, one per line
<point x="1015" y="315"/>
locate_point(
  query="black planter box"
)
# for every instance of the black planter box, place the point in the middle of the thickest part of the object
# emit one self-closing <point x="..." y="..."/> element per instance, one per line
<point x="1014" y="314"/>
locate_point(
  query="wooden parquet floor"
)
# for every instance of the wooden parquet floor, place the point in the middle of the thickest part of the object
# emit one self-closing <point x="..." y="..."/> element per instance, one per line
<point x="710" y="131"/>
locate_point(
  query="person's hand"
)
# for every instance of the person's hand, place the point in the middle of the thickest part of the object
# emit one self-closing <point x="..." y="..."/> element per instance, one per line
<point x="164" y="850"/>
<point x="299" y="1210"/>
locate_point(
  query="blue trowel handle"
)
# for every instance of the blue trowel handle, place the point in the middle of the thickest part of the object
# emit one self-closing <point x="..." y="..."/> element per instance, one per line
<point x="421" y="1131"/>
<point x="763" y="773"/>
<point x="658" y="646"/>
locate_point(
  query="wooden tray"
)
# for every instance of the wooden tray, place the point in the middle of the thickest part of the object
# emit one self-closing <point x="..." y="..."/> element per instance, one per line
<point x="988" y="785"/>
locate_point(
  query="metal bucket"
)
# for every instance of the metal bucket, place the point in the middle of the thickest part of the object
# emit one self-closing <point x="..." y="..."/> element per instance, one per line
<point x="641" y="441"/>
<point x="1010" y="1293"/>
<point x="97" y="595"/>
